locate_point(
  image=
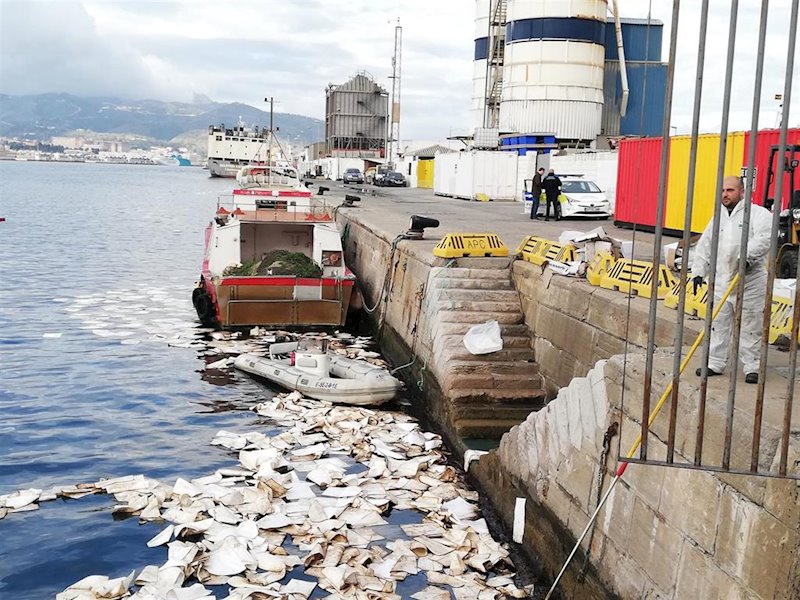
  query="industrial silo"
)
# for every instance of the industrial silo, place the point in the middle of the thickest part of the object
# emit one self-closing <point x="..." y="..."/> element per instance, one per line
<point x="487" y="77"/>
<point x="553" y="68"/>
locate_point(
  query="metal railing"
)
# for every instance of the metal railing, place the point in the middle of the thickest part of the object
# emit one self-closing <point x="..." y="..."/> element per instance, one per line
<point x="739" y="406"/>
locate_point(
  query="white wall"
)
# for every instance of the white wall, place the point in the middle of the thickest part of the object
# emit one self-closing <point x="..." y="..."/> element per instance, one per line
<point x="601" y="167"/>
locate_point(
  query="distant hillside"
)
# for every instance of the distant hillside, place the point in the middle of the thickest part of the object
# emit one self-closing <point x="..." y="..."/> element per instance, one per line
<point x="45" y="115"/>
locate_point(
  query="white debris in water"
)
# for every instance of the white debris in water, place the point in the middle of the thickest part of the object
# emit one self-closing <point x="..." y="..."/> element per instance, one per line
<point x="292" y="504"/>
<point x="54" y="335"/>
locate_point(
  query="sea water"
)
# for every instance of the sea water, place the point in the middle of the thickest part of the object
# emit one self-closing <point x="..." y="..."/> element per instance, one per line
<point x="97" y="265"/>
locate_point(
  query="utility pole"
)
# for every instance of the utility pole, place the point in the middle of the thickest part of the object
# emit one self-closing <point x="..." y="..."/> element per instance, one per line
<point x="394" y="111"/>
<point x="269" y="157"/>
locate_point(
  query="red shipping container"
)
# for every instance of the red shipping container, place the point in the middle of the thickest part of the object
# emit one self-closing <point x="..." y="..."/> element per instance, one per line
<point x="765" y="140"/>
<point x="637" y="182"/>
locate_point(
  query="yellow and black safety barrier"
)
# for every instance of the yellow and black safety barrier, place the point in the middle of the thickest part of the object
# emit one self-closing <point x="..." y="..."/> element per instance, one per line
<point x="599" y="265"/>
<point x="540" y="250"/>
<point x="695" y="304"/>
<point x="458" y="245"/>
<point x="637" y="276"/>
<point x="780" y="320"/>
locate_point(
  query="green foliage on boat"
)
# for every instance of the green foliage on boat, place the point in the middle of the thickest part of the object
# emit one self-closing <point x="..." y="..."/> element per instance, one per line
<point x="277" y="262"/>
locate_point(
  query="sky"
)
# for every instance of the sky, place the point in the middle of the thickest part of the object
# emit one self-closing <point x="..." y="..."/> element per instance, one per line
<point x="246" y="50"/>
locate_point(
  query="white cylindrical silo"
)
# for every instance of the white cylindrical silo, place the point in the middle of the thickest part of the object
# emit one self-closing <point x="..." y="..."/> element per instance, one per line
<point x="553" y="68"/>
<point x="479" y="63"/>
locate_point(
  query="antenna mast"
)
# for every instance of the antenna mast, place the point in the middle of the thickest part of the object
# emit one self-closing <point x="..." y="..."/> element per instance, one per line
<point x="394" y="117"/>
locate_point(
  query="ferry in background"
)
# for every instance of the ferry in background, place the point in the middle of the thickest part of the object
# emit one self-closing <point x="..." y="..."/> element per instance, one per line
<point x="273" y="256"/>
<point x="231" y="149"/>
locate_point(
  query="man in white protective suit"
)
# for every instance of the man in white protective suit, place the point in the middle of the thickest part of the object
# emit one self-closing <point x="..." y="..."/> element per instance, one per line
<point x="755" y="281"/>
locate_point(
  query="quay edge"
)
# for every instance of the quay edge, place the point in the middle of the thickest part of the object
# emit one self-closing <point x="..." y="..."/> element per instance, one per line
<point x="655" y="539"/>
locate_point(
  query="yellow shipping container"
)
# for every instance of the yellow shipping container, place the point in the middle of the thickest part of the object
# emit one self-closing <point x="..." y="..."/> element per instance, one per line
<point x="705" y="183"/>
<point x="425" y="173"/>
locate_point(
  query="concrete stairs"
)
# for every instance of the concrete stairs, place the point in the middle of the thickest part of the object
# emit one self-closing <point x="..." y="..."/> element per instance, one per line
<point x="488" y="393"/>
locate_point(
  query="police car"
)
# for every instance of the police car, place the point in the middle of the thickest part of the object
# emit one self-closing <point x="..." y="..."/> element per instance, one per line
<point x="580" y="198"/>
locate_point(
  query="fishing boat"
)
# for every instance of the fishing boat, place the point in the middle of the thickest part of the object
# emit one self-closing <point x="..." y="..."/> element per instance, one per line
<point x="273" y="256"/>
<point x="307" y="367"/>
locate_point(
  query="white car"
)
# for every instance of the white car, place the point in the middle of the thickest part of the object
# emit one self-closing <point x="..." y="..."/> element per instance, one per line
<point x="580" y="198"/>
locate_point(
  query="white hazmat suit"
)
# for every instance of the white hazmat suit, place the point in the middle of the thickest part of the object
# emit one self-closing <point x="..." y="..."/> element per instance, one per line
<point x="755" y="282"/>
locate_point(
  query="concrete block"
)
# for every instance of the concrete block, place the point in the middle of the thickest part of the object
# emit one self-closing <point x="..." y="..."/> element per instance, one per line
<point x="578" y="388"/>
<point x="576" y="475"/>
<point x="592" y="439"/>
<point x="560" y="422"/>
<point x="615" y="517"/>
<point x="628" y="579"/>
<point x="754" y="546"/>
<point x="696" y="489"/>
<point x="654" y="545"/>
<point x="699" y="577"/>
<point x="568" y="296"/>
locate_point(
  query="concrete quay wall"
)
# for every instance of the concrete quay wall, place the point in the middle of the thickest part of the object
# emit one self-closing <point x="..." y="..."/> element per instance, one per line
<point x="667" y="533"/>
<point x="664" y="532"/>
<point x="575" y="324"/>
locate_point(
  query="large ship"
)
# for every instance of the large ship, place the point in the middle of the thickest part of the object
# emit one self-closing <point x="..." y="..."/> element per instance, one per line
<point x="273" y="257"/>
<point x="230" y="149"/>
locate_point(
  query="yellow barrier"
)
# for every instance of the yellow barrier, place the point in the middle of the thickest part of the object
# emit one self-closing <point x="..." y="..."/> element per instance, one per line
<point x="637" y="276"/>
<point x="780" y="321"/>
<point x="695" y="303"/>
<point x="538" y="250"/>
<point x="457" y="245"/>
<point x="598" y="266"/>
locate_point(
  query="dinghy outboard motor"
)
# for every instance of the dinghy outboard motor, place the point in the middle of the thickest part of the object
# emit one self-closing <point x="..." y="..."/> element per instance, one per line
<point x="417" y="225"/>
<point x="312" y="357"/>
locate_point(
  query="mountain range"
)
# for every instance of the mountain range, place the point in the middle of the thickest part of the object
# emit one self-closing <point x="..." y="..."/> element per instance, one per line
<point x="41" y="116"/>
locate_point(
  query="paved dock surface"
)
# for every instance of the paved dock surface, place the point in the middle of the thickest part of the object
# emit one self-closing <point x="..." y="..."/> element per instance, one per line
<point x="390" y="209"/>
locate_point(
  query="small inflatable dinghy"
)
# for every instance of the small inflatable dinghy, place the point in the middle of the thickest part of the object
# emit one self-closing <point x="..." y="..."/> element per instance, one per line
<point x="315" y="373"/>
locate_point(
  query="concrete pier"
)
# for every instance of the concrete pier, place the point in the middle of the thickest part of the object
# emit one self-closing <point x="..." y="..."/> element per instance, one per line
<point x="667" y="533"/>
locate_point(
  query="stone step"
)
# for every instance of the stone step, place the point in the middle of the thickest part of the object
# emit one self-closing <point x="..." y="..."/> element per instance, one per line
<point x="479" y="382"/>
<point x="490" y="428"/>
<point x="486" y="295"/>
<point x="456" y="340"/>
<point x="480" y="402"/>
<point x="510" y="367"/>
<point x="506" y="354"/>
<point x="476" y="317"/>
<point x="479" y="306"/>
<point x="506" y="331"/>
<point x="484" y="262"/>
<point x="464" y="273"/>
<point x="463" y="355"/>
<point x="470" y="284"/>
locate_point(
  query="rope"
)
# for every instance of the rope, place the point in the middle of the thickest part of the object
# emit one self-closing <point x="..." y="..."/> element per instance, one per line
<point x="383" y="295"/>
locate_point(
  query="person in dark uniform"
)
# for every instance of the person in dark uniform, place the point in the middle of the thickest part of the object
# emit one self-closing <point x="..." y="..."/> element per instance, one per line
<point x="536" y="191"/>
<point x="552" y="189"/>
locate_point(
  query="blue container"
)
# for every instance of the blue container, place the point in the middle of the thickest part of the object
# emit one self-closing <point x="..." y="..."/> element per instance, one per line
<point x="639" y="43"/>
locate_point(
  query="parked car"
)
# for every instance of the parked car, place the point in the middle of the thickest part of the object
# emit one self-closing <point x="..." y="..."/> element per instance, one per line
<point x="374" y="175"/>
<point x="393" y="179"/>
<point x="580" y="198"/>
<point x="353" y="176"/>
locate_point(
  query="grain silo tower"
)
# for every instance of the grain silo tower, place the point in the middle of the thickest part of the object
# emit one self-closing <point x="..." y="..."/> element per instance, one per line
<point x="553" y="68"/>
<point x="356" y="118"/>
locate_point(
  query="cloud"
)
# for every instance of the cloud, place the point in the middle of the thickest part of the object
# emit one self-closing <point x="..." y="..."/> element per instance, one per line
<point x="245" y="50"/>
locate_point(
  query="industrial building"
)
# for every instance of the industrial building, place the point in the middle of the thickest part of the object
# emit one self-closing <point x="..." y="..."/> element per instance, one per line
<point x="356" y="115"/>
<point x="554" y="67"/>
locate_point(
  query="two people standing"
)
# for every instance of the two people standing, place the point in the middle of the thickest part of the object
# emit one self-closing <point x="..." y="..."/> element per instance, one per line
<point x="551" y="185"/>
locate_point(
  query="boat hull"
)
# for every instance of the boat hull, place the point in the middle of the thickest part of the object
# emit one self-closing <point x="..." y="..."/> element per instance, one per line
<point x="369" y="386"/>
<point x="279" y="301"/>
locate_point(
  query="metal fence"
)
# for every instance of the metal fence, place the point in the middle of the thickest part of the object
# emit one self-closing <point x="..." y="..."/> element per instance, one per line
<point x="741" y="271"/>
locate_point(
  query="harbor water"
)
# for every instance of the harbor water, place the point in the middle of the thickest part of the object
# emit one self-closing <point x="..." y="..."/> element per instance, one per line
<point x="97" y="263"/>
<point x="104" y="366"/>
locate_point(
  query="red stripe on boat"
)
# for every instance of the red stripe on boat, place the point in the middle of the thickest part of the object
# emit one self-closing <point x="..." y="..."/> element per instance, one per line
<point x="305" y="281"/>
<point x="271" y="193"/>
